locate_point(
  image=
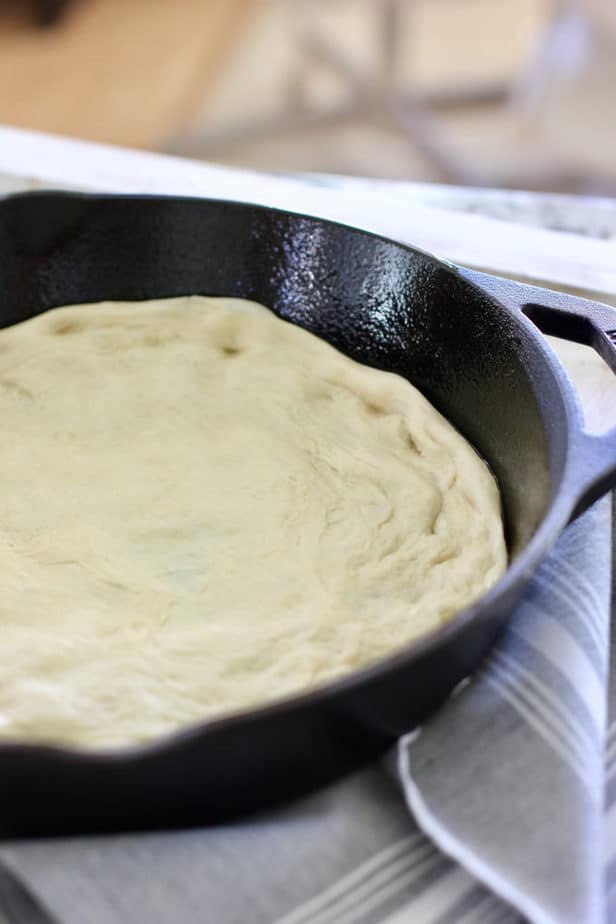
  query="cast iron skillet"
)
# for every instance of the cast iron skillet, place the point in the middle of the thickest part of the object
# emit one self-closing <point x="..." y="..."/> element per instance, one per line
<point x="464" y="338"/>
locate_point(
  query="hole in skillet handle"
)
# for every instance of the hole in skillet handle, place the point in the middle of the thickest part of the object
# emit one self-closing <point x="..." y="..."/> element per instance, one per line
<point x="593" y="325"/>
<point x="568" y="317"/>
<point x="589" y="360"/>
<point x="580" y="328"/>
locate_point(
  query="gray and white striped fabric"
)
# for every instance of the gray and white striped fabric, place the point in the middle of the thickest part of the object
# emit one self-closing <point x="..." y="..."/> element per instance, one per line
<point x="492" y="814"/>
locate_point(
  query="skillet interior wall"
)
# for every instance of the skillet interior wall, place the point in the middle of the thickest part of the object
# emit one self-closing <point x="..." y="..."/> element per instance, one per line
<point x="377" y="301"/>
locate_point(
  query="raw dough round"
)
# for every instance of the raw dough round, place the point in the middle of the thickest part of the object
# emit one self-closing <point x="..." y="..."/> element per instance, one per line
<point x="204" y="508"/>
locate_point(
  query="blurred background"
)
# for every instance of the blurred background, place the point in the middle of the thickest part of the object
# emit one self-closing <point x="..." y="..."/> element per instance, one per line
<point x="512" y="93"/>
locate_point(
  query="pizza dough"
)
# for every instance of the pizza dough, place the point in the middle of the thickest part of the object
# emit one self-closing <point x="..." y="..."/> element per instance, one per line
<point x="204" y="508"/>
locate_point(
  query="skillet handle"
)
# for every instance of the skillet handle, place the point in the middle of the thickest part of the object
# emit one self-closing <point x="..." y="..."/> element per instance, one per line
<point x="581" y="321"/>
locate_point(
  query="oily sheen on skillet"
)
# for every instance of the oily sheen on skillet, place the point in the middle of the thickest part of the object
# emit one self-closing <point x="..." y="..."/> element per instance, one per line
<point x="468" y="341"/>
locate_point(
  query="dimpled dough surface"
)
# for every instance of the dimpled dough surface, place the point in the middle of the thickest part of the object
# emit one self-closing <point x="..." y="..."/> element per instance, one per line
<point x="204" y="507"/>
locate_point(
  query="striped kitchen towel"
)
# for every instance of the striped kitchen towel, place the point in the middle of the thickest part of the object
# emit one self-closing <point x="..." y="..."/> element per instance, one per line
<point x="499" y="810"/>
